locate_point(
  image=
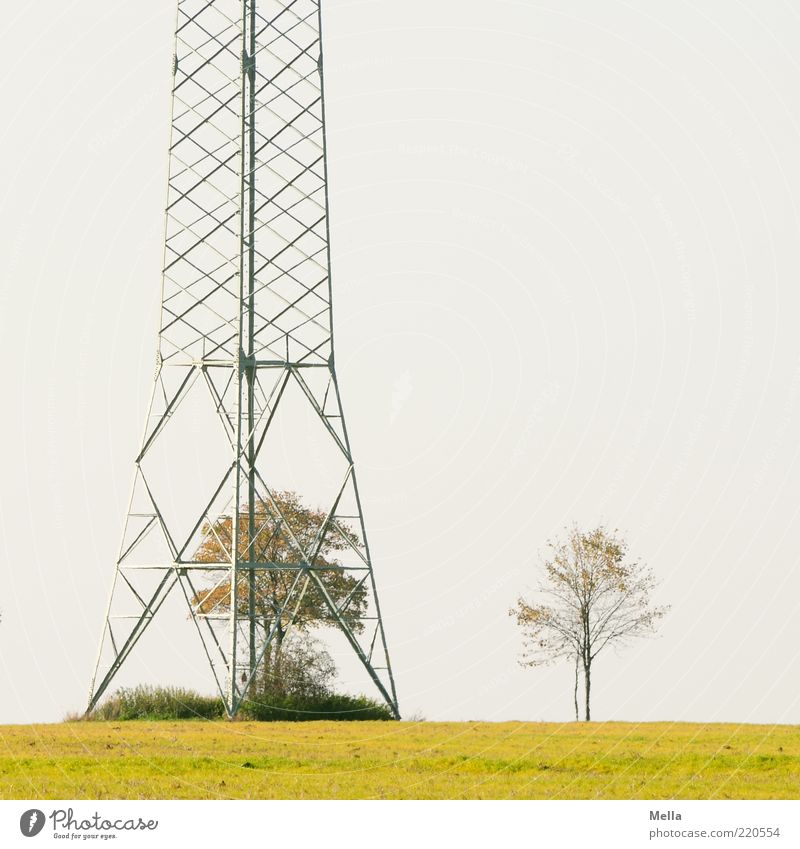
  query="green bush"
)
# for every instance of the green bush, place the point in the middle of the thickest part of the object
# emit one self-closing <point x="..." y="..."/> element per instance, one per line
<point x="152" y="703"/>
<point x="144" y="702"/>
<point x="327" y="706"/>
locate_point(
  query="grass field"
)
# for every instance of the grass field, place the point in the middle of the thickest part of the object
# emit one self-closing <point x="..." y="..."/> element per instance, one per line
<point x="388" y="760"/>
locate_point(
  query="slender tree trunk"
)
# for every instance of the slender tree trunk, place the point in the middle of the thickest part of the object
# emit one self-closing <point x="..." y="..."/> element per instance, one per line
<point x="587" y="659"/>
<point x="278" y="682"/>
<point x="587" y="680"/>
<point x="575" y="691"/>
<point x="262" y="678"/>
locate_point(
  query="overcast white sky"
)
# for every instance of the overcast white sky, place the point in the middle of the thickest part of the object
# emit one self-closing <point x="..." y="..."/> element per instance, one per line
<point x="565" y="255"/>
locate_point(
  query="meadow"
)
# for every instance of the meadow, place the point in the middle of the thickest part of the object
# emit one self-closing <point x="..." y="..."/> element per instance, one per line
<point x="391" y="760"/>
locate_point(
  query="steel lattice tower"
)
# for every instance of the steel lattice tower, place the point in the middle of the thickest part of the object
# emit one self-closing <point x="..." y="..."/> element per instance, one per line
<point x="245" y="323"/>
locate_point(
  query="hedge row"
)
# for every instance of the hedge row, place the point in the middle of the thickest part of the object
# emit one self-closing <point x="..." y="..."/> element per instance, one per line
<point x="153" y="703"/>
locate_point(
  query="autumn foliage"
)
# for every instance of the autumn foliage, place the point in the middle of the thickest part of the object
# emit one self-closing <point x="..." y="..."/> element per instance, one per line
<point x="284" y="532"/>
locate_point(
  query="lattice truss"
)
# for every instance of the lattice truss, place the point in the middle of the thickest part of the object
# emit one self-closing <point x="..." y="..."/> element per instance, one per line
<point x="244" y="338"/>
<point x="204" y="265"/>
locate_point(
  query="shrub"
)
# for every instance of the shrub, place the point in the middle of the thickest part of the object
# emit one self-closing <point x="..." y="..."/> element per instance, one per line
<point x="144" y="702"/>
<point x="327" y="706"/>
<point x="157" y="703"/>
<point x="299" y="666"/>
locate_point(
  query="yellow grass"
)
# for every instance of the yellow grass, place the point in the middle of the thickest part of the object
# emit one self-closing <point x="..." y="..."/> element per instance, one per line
<point x="388" y="760"/>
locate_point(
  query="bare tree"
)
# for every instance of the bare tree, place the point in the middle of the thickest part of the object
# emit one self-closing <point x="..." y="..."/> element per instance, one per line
<point x="593" y="597"/>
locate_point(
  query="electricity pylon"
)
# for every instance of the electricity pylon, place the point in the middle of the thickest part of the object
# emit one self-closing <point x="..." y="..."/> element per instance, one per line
<point x="245" y="324"/>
